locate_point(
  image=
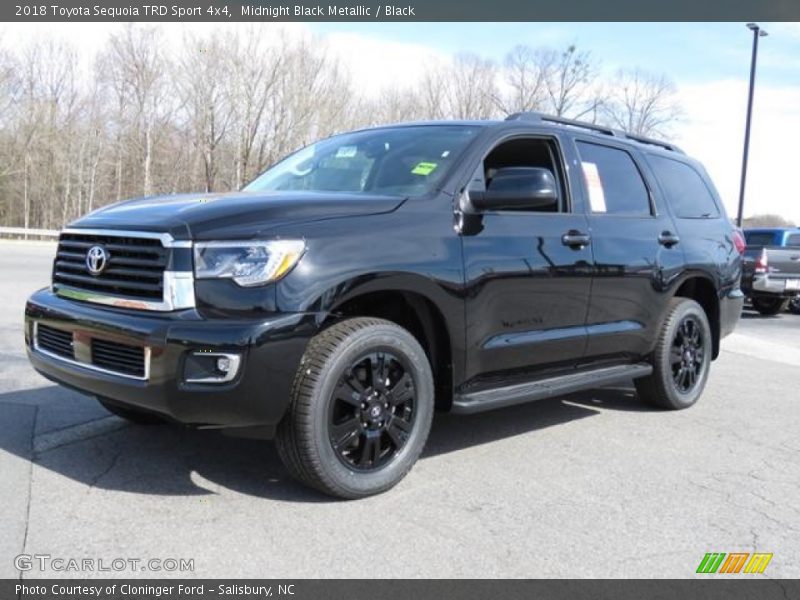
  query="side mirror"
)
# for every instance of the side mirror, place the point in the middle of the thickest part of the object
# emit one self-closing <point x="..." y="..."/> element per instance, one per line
<point x="519" y="188"/>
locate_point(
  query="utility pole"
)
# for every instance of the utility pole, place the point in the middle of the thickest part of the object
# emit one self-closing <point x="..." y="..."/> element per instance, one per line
<point x="757" y="33"/>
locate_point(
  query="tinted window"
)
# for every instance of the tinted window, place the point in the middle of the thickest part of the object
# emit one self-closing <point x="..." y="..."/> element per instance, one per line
<point x="793" y="240"/>
<point x="613" y="181"/>
<point x="756" y="238"/>
<point x="685" y="189"/>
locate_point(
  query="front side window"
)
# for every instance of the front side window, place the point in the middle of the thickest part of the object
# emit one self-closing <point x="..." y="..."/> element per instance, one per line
<point x="522" y="152"/>
<point x="613" y="181"/>
<point x="687" y="193"/>
<point x="793" y="240"/>
<point x="395" y="161"/>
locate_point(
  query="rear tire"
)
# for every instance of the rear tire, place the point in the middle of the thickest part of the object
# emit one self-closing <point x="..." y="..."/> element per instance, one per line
<point x="360" y="411"/>
<point x="770" y="306"/>
<point x="140" y="417"/>
<point x="794" y="305"/>
<point x="682" y="357"/>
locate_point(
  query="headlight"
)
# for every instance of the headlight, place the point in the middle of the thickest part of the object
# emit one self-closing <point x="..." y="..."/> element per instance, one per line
<point x="247" y="263"/>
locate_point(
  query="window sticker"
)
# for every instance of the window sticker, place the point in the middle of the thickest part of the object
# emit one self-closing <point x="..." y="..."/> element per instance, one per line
<point x="424" y="168"/>
<point x="346" y="152"/>
<point x="597" y="199"/>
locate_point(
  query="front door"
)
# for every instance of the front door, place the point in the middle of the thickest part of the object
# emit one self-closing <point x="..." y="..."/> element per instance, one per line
<point x="528" y="274"/>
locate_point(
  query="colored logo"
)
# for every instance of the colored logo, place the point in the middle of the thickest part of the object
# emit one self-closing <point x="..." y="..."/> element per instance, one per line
<point x="735" y="562"/>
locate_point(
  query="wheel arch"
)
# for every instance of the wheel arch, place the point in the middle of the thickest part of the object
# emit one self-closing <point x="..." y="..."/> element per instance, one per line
<point x="700" y="288"/>
<point x="415" y="311"/>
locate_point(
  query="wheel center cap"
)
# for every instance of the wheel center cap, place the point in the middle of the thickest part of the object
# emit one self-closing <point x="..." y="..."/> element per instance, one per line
<point x="375" y="411"/>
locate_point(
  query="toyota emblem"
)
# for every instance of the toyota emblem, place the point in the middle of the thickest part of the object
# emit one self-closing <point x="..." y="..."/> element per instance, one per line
<point x="96" y="260"/>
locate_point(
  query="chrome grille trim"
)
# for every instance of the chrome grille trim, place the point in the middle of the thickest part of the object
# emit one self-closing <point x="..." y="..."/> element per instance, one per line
<point x="165" y="238"/>
<point x="177" y="286"/>
<point x="89" y="366"/>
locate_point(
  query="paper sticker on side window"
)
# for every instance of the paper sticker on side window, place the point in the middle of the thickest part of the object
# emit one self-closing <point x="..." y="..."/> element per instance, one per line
<point x="424" y="168"/>
<point x="594" y="184"/>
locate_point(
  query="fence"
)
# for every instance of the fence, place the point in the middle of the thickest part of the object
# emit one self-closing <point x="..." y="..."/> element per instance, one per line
<point x="22" y="232"/>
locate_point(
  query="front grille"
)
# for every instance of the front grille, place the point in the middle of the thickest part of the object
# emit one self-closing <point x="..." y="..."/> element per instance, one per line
<point x="135" y="266"/>
<point x="117" y="357"/>
<point x="55" y="341"/>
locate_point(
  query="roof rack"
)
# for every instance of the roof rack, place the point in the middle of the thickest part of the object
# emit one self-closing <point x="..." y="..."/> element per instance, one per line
<point x="541" y="117"/>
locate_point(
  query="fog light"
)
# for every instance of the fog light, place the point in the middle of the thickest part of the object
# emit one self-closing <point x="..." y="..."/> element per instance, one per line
<point x="211" y="367"/>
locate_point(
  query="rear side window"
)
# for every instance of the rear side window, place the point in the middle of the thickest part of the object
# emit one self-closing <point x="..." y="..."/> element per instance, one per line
<point x="685" y="189"/>
<point x="793" y="240"/>
<point x="613" y="181"/>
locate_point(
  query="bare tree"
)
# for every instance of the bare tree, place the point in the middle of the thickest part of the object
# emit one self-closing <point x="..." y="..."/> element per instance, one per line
<point x="525" y="77"/>
<point x="136" y="66"/>
<point x="210" y="111"/>
<point x="471" y="87"/>
<point x="569" y="75"/>
<point x="767" y="220"/>
<point x="255" y="69"/>
<point x="642" y="103"/>
<point x="433" y="93"/>
<point x="394" y="105"/>
<point x="203" y="78"/>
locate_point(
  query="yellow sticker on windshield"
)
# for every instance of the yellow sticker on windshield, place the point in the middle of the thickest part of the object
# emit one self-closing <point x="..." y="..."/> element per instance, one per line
<point x="424" y="168"/>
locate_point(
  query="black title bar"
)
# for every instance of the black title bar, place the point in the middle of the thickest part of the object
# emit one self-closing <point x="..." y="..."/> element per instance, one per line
<point x="402" y="10"/>
<point x="709" y="588"/>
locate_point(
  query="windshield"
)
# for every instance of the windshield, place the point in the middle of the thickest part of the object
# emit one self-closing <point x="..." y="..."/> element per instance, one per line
<point x="399" y="161"/>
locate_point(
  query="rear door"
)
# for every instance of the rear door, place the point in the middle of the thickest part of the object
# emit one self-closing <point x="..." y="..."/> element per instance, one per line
<point x="636" y="249"/>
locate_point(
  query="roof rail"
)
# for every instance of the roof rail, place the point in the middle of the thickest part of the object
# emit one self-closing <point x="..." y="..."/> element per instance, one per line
<point x="646" y="140"/>
<point x="541" y="117"/>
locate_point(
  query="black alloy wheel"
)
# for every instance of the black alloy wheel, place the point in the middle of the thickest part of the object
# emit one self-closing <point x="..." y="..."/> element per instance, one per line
<point x="688" y="354"/>
<point x="360" y="410"/>
<point x="372" y="411"/>
<point x="681" y="358"/>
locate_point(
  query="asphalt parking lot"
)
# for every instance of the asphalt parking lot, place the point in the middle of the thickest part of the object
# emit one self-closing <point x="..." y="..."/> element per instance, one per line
<point x="592" y="485"/>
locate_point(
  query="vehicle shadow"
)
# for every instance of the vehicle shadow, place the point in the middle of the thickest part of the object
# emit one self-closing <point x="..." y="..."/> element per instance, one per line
<point x="748" y="314"/>
<point x="108" y="453"/>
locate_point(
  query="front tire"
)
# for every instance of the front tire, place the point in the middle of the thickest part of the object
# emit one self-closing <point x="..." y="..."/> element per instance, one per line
<point x="682" y="357"/>
<point x="361" y="409"/>
<point x="770" y="306"/>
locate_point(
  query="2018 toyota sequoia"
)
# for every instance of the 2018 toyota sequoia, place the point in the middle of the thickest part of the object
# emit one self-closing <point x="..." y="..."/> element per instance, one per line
<point x="375" y="276"/>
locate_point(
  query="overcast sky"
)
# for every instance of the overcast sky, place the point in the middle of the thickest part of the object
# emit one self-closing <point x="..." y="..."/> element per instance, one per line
<point x="708" y="62"/>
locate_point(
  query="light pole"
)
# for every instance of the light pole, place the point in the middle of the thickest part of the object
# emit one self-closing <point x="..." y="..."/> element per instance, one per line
<point x="757" y="33"/>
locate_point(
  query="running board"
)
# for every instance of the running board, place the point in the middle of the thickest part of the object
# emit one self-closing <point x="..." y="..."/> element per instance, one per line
<point x="546" y="388"/>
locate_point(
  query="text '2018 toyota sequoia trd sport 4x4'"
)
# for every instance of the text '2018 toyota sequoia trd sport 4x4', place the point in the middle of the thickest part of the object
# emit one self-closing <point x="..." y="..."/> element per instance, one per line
<point x="375" y="276"/>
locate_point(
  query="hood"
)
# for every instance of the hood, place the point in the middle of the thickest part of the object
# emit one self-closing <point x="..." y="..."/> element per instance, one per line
<point x="232" y="215"/>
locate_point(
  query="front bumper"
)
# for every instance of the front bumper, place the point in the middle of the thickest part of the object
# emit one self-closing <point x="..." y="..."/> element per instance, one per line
<point x="270" y="348"/>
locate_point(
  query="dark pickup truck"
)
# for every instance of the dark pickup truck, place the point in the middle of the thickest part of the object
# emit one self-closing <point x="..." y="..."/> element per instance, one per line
<point x="377" y="275"/>
<point x="771" y="268"/>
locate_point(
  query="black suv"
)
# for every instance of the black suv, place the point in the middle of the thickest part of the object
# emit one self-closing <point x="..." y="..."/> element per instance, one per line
<point x="374" y="276"/>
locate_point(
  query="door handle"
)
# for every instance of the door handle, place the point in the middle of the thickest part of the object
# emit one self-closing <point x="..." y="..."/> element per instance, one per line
<point x="576" y="239"/>
<point x="668" y="239"/>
